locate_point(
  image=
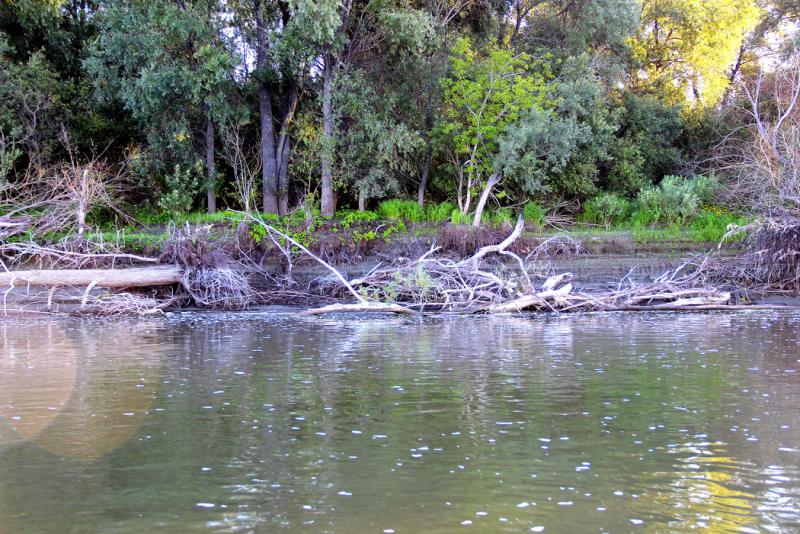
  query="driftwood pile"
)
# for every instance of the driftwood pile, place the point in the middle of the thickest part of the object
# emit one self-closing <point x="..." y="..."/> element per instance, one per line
<point x="770" y="261"/>
<point x="194" y="270"/>
<point x="431" y="283"/>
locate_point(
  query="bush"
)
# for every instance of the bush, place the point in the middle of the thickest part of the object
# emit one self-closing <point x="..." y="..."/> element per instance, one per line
<point x="349" y="217"/>
<point x="534" y="214"/>
<point x="503" y="215"/>
<point x="439" y="212"/>
<point x="401" y="210"/>
<point x="456" y="217"/>
<point x="606" y="209"/>
<point x="712" y="223"/>
<point x="182" y="186"/>
<point x="675" y="201"/>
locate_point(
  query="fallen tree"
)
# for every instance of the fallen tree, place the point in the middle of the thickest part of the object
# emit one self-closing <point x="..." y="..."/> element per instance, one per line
<point x="160" y="275"/>
<point x="201" y="270"/>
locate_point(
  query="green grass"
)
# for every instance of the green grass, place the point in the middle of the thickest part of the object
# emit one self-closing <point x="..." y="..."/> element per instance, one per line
<point x="401" y="210"/>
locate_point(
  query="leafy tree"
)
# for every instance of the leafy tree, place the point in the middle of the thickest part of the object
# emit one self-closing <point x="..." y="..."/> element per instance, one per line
<point x="373" y="147"/>
<point x="168" y="65"/>
<point x="31" y="111"/>
<point x="485" y="94"/>
<point x="645" y="146"/>
<point x="685" y="48"/>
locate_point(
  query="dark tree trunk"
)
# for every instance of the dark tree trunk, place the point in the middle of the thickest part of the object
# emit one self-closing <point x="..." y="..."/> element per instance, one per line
<point x="269" y="170"/>
<point x="283" y="179"/>
<point x="327" y="200"/>
<point x="210" y="168"/>
<point x="269" y="167"/>
<point x="426" y="171"/>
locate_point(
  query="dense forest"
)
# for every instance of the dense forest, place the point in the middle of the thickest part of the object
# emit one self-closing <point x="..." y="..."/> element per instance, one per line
<point x="172" y="106"/>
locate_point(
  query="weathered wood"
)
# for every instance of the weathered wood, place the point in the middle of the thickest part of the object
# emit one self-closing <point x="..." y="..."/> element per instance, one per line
<point x="518" y="228"/>
<point x="364" y="307"/>
<point x="110" y="278"/>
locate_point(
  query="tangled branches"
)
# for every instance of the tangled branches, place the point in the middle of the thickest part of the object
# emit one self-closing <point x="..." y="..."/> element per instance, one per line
<point x="770" y="262"/>
<point x="210" y="276"/>
<point x="59" y="197"/>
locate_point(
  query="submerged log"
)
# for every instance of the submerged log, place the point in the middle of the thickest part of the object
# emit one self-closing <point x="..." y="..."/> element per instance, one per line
<point x="109" y="278"/>
<point x="361" y="307"/>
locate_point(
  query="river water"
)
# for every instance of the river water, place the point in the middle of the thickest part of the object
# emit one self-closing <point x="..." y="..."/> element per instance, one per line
<point x="272" y="423"/>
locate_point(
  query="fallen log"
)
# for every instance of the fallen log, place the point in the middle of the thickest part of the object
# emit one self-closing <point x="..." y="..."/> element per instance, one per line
<point x="362" y="307"/>
<point x="108" y="278"/>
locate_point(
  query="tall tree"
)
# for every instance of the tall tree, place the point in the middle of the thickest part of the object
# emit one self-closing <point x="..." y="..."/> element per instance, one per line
<point x="686" y="48"/>
<point x="166" y="61"/>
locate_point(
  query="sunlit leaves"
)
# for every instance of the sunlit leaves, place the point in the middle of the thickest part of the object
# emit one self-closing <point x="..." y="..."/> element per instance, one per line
<point x="686" y="47"/>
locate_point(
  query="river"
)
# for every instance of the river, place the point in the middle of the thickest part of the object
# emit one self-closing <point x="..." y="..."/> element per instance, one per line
<point x="267" y="422"/>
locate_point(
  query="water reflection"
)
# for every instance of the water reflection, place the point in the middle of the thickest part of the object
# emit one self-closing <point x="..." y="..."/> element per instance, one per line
<point x="37" y="375"/>
<point x="603" y="422"/>
<point x="76" y="391"/>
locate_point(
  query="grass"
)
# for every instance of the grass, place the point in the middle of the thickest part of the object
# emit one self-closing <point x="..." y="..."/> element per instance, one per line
<point x="392" y="217"/>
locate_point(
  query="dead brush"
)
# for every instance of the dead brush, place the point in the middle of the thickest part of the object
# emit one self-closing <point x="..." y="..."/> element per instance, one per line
<point x="463" y="240"/>
<point x="771" y="260"/>
<point x="210" y="275"/>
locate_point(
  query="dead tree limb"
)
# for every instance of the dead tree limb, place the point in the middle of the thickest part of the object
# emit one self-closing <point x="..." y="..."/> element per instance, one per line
<point x="108" y="278"/>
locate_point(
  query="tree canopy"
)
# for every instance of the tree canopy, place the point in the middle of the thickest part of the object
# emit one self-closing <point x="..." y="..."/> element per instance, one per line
<point x="343" y="103"/>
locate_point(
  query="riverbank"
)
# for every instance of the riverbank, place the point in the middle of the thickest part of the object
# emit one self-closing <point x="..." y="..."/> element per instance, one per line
<point x="239" y="262"/>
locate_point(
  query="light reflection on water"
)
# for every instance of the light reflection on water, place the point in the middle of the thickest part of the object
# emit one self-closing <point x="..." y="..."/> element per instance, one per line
<point x="613" y="422"/>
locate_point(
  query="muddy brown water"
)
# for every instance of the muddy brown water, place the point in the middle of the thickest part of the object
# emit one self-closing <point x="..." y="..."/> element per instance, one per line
<point x="264" y="422"/>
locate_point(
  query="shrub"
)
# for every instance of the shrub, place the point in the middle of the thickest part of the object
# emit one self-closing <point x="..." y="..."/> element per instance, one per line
<point x="712" y="223"/>
<point x="401" y="210"/>
<point x="349" y="217"/>
<point x="675" y="200"/>
<point x="456" y="217"/>
<point x="606" y="209"/>
<point x="503" y="215"/>
<point x="534" y="214"/>
<point x="182" y="186"/>
<point x="439" y="212"/>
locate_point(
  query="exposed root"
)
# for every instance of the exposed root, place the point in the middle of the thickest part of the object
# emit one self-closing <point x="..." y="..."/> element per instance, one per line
<point x="220" y="287"/>
<point x="73" y="253"/>
<point x="771" y="261"/>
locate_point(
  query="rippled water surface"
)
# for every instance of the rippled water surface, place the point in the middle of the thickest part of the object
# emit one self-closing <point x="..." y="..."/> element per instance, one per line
<point x="269" y="423"/>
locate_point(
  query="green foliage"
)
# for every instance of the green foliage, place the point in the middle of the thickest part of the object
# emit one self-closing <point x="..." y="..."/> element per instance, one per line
<point x="488" y="92"/>
<point x="606" y="209"/>
<point x="645" y="149"/>
<point x="573" y="99"/>
<point x="167" y="65"/>
<point x="675" y="200"/>
<point x="534" y="214"/>
<point x="401" y="210"/>
<point x="456" y="217"/>
<point x="439" y="212"/>
<point x="711" y="224"/>
<point x="181" y="187"/>
<point x="375" y="149"/>
<point x="686" y="47"/>
<point x="503" y="216"/>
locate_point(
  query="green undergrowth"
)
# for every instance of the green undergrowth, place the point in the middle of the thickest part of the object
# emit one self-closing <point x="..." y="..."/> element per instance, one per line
<point x="605" y="215"/>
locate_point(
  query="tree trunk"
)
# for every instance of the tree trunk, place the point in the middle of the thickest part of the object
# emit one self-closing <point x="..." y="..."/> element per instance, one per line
<point x="426" y="169"/>
<point x="269" y="171"/>
<point x="327" y="200"/>
<point x="160" y="275"/>
<point x="283" y="179"/>
<point x="493" y="180"/>
<point x="269" y="167"/>
<point x="210" y="169"/>
<point x="362" y="201"/>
